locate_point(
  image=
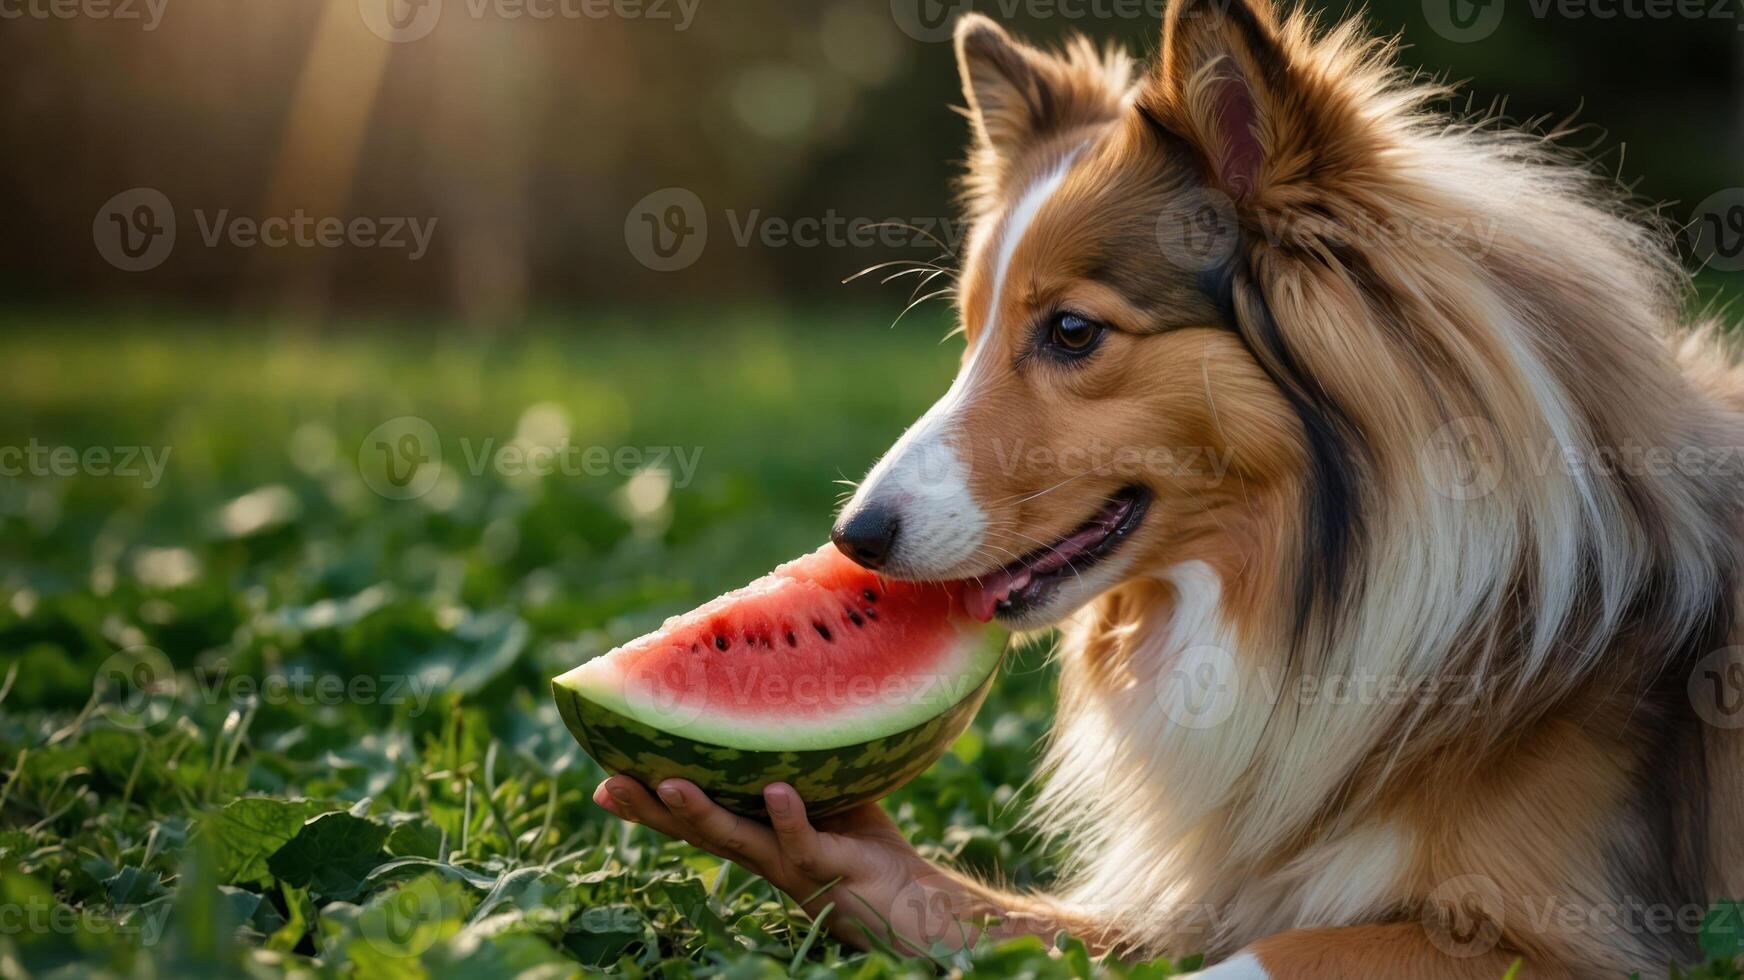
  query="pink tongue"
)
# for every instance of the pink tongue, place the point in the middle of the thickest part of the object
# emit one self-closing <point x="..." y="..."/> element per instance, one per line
<point x="982" y="597"/>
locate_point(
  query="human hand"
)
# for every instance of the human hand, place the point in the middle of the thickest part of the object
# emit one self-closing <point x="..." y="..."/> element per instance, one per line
<point x="857" y="860"/>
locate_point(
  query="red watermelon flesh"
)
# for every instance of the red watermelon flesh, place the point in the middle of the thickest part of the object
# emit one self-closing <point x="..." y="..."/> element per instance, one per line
<point x="819" y="652"/>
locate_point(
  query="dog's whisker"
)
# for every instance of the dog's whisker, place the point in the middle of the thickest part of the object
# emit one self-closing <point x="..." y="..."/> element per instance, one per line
<point x="932" y="295"/>
<point x="1055" y="549"/>
<point x="879" y="267"/>
<point x="1043" y="493"/>
<point x="926" y="270"/>
<point x="927" y="280"/>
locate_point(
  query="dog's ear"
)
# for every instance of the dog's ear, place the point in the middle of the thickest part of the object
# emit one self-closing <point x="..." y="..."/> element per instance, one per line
<point x="1018" y="96"/>
<point x="1225" y="84"/>
<point x="1005" y="82"/>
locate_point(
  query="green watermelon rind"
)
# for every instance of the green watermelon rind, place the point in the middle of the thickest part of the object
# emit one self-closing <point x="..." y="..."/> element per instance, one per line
<point x="829" y="780"/>
<point x="861" y="707"/>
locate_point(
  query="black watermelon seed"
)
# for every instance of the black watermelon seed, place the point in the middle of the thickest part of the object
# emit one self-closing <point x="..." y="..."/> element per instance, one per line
<point x="792" y="640"/>
<point x="720" y="643"/>
<point x="854" y="617"/>
<point x="823" y="631"/>
<point x="870" y="595"/>
<point x="870" y="612"/>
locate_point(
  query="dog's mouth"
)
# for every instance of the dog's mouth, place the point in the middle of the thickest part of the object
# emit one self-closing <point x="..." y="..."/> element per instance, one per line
<point x="1029" y="582"/>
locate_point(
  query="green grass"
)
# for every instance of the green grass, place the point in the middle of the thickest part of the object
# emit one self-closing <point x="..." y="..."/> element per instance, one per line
<point x="368" y="676"/>
<point x="319" y="741"/>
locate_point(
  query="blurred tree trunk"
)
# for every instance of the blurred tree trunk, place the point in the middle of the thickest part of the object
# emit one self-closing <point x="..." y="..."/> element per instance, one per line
<point x="483" y="75"/>
<point x="319" y="151"/>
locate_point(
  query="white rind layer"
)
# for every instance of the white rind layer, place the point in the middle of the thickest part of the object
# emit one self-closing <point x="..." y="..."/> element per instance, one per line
<point x="858" y="708"/>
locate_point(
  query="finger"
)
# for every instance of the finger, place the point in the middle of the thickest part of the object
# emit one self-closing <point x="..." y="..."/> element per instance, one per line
<point x="800" y="845"/>
<point x="627" y="799"/>
<point x="712" y="828"/>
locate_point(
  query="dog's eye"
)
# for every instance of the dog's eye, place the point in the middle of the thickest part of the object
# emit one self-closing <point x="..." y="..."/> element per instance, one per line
<point x="1073" y="334"/>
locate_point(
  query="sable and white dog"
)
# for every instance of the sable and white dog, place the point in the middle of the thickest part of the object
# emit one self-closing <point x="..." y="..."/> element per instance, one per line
<point x="1386" y="498"/>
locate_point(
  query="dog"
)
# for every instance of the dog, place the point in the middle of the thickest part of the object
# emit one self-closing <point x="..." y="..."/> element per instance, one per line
<point x="1382" y="492"/>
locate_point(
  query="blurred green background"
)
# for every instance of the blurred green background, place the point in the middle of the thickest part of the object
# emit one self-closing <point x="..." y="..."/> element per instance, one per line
<point x="530" y="130"/>
<point x="159" y="809"/>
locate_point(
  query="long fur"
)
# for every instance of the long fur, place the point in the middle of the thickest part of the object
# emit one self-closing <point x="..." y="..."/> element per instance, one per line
<point x="1544" y="323"/>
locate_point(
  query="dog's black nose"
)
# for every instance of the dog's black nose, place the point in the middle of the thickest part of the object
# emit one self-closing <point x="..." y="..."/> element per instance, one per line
<point x="866" y="534"/>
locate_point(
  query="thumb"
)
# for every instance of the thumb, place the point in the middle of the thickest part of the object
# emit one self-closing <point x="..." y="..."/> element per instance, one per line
<point x="801" y="846"/>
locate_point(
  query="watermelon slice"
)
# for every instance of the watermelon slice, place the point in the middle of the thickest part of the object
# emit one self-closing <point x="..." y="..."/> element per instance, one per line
<point x="820" y="674"/>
